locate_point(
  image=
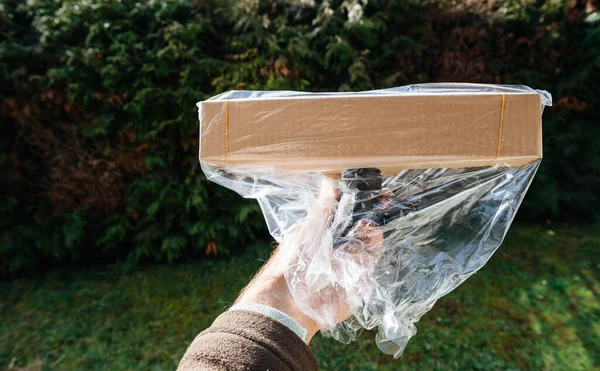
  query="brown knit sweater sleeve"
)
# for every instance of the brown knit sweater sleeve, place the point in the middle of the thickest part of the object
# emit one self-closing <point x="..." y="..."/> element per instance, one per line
<point x="245" y="340"/>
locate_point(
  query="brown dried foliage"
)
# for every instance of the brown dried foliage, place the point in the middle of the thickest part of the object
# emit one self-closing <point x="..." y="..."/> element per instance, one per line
<point x="463" y="44"/>
<point x="279" y="69"/>
<point x="55" y="162"/>
<point x="569" y="104"/>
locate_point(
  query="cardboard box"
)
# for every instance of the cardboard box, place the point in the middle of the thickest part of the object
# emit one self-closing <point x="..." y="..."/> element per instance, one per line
<point x="390" y="131"/>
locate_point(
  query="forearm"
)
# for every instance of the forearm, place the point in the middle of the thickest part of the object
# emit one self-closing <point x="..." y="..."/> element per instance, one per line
<point x="243" y="339"/>
<point x="270" y="288"/>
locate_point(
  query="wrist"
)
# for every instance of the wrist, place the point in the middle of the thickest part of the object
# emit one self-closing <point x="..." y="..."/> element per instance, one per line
<point x="270" y="289"/>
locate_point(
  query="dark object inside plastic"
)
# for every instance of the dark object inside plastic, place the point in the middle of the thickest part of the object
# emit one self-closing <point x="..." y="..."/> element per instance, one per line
<point x="369" y="203"/>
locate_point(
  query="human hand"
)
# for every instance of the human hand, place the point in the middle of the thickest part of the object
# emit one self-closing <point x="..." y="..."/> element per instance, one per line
<point x="325" y="279"/>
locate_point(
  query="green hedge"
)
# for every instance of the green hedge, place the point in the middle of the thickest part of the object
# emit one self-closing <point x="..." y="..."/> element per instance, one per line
<point x="99" y="124"/>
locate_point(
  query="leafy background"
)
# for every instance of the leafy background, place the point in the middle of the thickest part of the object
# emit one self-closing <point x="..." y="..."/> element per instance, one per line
<point x="99" y="144"/>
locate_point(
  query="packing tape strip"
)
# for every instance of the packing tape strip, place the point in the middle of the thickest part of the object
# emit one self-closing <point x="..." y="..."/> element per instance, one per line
<point x="495" y="159"/>
<point x="227" y="131"/>
<point x="500" y="129"/>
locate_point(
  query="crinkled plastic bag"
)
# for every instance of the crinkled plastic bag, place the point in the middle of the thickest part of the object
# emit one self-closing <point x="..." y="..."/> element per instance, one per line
<point x="384" y="246"/>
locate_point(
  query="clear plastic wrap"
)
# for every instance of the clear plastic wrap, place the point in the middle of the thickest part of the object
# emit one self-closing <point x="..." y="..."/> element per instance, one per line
<point x="376" y="246"/>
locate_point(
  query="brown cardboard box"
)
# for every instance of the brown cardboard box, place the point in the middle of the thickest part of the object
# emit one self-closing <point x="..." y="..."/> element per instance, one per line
<point x="392" y="132"/>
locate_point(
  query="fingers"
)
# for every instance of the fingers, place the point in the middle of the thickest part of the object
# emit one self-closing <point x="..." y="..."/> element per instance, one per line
<point x="368" y="232"/>
<point x="386" y="197"/>
<point x="365" y="244"/>
<point x="328" y="197"/>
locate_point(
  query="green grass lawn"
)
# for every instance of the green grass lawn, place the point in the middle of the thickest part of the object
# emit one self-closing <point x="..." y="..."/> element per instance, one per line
<point x="534" y="306"/>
